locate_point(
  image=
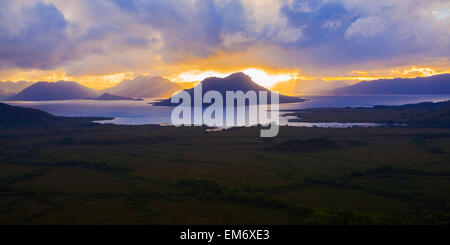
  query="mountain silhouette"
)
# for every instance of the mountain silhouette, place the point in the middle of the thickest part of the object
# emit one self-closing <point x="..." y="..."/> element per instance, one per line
<point x="309" y="87"/>
<point x="14" y="116"/>
<point x="437" y="84"/>
<point x="62" y="90"/>
<point x="234" y="82"/>
<point x="108" y="96"/>
<point x="144" y="87"/>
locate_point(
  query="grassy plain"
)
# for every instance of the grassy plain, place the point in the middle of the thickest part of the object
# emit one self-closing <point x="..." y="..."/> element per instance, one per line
<point x="106" y="174"/>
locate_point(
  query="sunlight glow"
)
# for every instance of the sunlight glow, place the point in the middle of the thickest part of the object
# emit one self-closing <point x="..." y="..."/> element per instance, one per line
<point x="425" y="71"/>
<point x="267" y="80"/>
<point x="197" y="76"/>
<point x="411" y="72"/>
<point x="259" y="76"/>
<point x="262" y="76"/>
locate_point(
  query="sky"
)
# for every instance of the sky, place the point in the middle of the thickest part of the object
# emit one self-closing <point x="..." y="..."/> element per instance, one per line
<point x="100" y="42"/>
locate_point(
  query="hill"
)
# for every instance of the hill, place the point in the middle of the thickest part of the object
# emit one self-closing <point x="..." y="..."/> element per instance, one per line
<point x="108" y="96"/>
<point x="438" y="84"/>
<point x="234" y="82"/>
<point x="144" y="87"/>
<point x="62" y="90"/>
<point x="14" y="116"/>
<point x="425" y="114"/>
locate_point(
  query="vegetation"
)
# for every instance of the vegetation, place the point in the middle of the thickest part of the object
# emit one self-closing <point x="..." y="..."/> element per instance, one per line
<point x="106" y="174"/>
<point x="299" y="145"/>
<point x="425" y="114"/>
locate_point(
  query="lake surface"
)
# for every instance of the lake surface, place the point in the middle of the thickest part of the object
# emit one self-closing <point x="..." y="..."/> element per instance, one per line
<point x="140" y="112"/>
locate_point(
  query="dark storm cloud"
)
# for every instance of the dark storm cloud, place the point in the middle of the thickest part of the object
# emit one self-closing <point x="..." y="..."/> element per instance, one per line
<point x="188" y="28"/>
<point x="346" y="32"/>
<point x="321" y="32"/>
<point x="34" y="37"/>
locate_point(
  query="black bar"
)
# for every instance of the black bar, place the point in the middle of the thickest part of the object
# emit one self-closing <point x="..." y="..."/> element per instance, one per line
<point x="173" y="234"/>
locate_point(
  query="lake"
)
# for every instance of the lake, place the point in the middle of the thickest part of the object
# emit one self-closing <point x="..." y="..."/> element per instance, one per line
<point x="140" y="112"/>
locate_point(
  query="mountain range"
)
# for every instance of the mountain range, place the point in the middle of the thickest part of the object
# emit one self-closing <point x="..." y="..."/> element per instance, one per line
<point x="437" y="84"/>
<point x="140" y="87"/>
<point x="234" y="82"/>
<point x="144" y="87"/>
<point x="152" y="87"/>
<point x="308" y="87"/>
<point x="108" y="96"/>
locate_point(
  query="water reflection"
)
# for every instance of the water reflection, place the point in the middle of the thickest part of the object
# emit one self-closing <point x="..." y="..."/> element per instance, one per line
<point x="140" y="112"/>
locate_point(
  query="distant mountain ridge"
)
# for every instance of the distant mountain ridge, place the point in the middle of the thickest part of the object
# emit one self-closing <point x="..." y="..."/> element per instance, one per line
<point x="437" y="84"/>
<point x="14" y="87"/>
<point x="234" y="82"/>
<point x="8" y="89"/>
<point x="3" y="95"/>
<point x="144" y="87"/>
<point x="308" y="87"/>
<point x="62" y="90"/>
<point x="108" y="96"/>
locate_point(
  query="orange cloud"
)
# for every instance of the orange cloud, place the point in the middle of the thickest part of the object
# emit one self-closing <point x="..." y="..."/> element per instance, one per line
<point x="411" y="72"/>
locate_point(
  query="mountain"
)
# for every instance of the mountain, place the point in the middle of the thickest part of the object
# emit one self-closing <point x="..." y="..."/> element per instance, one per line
<point x="438" y="84"/>
<point x="234" y="82"/>
<point x="62" y="90"/>
<point x="4" y="95"/>
<point x="108" y="96"/>
<point x="14" y="87"/>
<point x="144" y="87"/>
<point x="13" y="116"/>
<point x="300" y="86"/>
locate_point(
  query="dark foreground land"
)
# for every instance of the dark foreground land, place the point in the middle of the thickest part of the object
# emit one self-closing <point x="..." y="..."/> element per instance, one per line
<point x="423" y="115"/>
<point x="106" y="174"/>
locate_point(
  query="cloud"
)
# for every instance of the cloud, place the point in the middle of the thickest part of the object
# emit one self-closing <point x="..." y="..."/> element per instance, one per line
<point x="365" y="28"/>
<point x="33" y="36"/>
<point x="357" y="33"/>
<point x="101" y="36"/>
